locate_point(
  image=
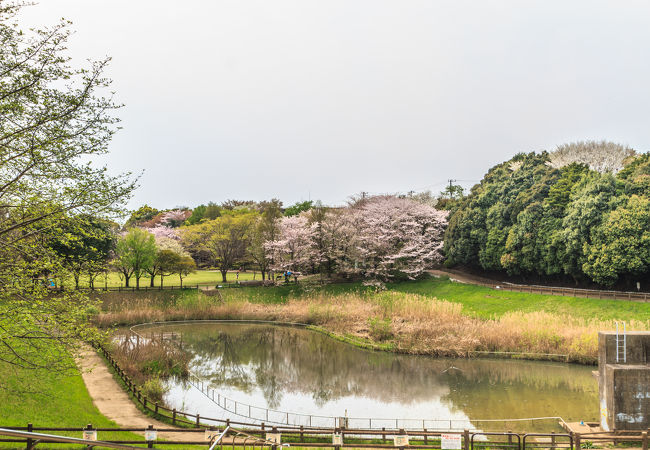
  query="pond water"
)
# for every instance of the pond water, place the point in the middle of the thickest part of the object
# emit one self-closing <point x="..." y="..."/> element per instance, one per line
<point x="305" y="373"/>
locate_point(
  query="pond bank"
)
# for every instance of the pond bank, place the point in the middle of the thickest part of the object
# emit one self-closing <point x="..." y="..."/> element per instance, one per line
<point x="394" y="321"/>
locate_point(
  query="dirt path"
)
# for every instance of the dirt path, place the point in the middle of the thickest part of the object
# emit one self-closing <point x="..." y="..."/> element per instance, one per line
<point x="111" y="400"/>
<point x="461" y="277"/>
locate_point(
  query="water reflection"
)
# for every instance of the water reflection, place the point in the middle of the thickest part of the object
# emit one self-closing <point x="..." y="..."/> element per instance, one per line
<point x="299" y="370"/>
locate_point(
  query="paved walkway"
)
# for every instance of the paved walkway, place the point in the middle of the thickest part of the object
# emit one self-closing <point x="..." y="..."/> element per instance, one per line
<point x="114" y="403"/>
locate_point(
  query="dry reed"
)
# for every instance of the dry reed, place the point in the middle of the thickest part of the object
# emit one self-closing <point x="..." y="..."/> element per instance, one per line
<point x="417" y="324"/>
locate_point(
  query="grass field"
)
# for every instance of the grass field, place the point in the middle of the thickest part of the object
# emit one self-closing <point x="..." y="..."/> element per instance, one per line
<point x="201" y="277"/>
<point x="50" y="399"/>
<point x="478" y="301"/>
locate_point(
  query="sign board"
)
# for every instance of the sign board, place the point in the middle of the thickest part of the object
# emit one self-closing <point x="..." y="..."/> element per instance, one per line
<point x="90" y="435"/>
<point x="337" y="439"/>
<point x="276" y="438"/>
<point x="450" y="441"/>
<point x="401" y="440"/>
<point x="150" y="435"/>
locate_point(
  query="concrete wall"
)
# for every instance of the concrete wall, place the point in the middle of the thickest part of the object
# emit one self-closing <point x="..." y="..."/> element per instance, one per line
<point x="624" y="385"/>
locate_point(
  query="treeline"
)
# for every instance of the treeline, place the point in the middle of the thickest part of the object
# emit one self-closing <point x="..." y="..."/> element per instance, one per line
<point x="381" y="237"/>
<point x="581" y="212"/>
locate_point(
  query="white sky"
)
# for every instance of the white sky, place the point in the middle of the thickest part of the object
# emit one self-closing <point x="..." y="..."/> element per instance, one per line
<point x="301" y="99"/>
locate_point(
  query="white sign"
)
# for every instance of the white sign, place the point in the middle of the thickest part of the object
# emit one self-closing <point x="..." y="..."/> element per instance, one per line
<point x="150" y="435"/>
<point x="274" y="437"/>
<point x="450" y="441"/>
<point x="401" y="440"/>
<point x="90" y="435"/>
<point x="337" y="439"/>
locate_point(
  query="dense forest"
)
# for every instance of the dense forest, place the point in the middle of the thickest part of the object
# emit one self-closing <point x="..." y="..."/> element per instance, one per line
<point x="580" y="213"/>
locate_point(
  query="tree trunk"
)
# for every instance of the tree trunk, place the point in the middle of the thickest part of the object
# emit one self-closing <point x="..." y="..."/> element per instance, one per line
<point x="161" y="280"/>
<point x="76" y="281"/>
<point x="126" y="280"/>
<point x="224" y="274"/>
<point x="153" y="277"/>
<point x="137" y="282"/>
<point x="181" y="277"/>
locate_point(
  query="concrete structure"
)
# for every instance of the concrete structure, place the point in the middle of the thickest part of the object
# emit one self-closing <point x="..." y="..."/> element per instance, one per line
<point x="624" y="380"/>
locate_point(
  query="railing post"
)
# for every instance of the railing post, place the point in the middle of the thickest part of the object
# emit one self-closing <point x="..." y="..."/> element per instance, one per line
<point x="30" y="442"/>
<point x="150" y="443"/>
<point x="198" y="417"/>
<point x="174" y="416"/>
<point x="644" y="440"/>
<point x="302" y="436"/>
<point x="425" y="436"/>
<point x="383" y="435"/>
<point x="576" y="442"/>
<point x="89" y="427"/>
<point x="156" y="410"/>
<point x="466" y="439"/>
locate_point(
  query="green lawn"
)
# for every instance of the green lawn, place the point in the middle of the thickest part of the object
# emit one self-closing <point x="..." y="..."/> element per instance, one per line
<point x="477" y="301"/>
<point x="202" y="277"/>
<point x="50" y="399"/>
<point x="486" y="303"/>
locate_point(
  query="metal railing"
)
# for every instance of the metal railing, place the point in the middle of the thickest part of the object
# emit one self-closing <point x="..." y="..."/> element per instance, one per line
<point x="327" y="439"/>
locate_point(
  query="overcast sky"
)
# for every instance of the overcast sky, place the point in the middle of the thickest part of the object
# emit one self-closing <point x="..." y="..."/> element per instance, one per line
<point x="300" y="99"/>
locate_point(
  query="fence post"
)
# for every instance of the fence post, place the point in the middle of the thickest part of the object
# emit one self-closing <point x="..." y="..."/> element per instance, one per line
<point x="30" y="442"/>
<point x="89" y="427"/>
<point x="425" y="436"/>
<point x="174" y="416"/>
<point x="644" y="440"/>
<point x="466" y="439"/>
<point x="198" y="417"/>
<point x="577" y="443"/>
<point x="156" y="408"/>
<point x="150" y="443"/>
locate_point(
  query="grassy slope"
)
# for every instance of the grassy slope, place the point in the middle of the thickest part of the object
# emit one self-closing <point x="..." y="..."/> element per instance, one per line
<point x="47" y="399"/>
<point x="486" y="303"/>
<point x="479" y="301"/>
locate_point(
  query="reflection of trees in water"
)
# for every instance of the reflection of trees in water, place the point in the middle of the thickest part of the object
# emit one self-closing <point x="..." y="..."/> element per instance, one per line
<point x="281" y="359"/>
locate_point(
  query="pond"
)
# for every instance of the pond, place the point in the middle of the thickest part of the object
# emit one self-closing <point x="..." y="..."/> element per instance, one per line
<point x="307" y="374"/>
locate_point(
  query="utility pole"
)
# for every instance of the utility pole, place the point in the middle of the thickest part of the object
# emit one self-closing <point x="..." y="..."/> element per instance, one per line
<point x="451" y="189"/>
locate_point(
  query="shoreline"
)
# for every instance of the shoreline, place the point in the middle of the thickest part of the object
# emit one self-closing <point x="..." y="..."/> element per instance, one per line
<point x="372" y="346"/>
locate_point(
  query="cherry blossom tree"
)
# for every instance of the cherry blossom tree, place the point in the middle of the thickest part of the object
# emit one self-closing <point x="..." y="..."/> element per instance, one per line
<point x="600" y="156"/>
<point x="295" y="248"/>
<point x="383" y="237"/>
<point x="397" y="237"/>
<point x="163" y="232"/>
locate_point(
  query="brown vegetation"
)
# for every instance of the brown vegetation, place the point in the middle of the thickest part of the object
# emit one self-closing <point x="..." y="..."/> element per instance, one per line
<point x="148" y="362"/>
<point x="406" y="323"/>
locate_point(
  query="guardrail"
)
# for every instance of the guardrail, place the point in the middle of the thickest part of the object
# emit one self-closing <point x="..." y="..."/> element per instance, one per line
<point x="326" y="439"/>
<point x="559" y="291"/>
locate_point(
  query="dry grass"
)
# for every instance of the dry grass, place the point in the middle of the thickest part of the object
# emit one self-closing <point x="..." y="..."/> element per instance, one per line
<point x="410" y="323"/>
<point x="146" y="361"/>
